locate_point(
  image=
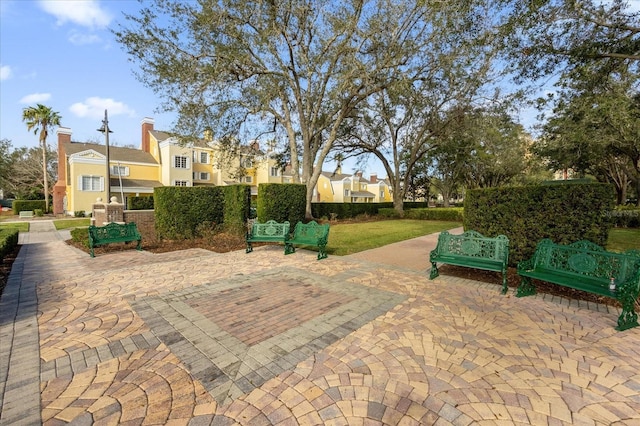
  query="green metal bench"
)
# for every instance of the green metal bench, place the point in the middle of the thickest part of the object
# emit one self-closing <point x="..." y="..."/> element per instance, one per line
<point x="586" y="266"/>
<point x="268" y="232"/>
<point x="113" y="233"/>
<point x="24" y="214"/>
<point x="309" y="234"/>
<point x="473" y="250"/>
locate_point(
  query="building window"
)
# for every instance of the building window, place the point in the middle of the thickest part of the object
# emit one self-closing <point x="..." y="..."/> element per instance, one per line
<point x="247" y="163"/>
<point x="180" y="162"/>
<point x="200" y="176"/>
<point x="91" y="183"/>
<point x="182" y="183"/>
<point x="248" y="179"/>
<point x="346" y="192"/>
<point x="120" y="170"/>
<point x="381" y="195"/>
<point x="204" y="157"/>
<point x="275" y="171"/>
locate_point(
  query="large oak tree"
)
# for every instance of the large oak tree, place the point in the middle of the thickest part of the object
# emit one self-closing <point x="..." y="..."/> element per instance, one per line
<point x="295" y="68"/>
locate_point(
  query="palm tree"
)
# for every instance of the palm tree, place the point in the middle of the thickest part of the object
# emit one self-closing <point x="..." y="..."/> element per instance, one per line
<point x="40" y="119"/>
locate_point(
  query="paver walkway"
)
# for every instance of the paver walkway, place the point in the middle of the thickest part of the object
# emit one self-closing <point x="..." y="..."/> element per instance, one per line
<point x="195" y="337"/>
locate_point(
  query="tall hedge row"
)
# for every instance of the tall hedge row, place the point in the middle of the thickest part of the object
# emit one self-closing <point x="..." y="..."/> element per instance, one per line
<point x="236" y="208"/>
<point x="8" y="241"/>
<point x="25" y="205"/>
<point x="351" y="210"/>
<point x="179" y="211"/>
<point x="140" y="203"/>
<point x="281" y="202"/>
<point x="564" y="213"/>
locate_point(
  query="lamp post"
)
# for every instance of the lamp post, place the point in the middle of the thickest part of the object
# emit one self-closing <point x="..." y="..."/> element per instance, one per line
<point x="105" y="129"/>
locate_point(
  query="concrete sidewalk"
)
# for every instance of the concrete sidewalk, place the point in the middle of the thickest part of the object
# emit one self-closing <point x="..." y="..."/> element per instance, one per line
<point x="195" y="337"/>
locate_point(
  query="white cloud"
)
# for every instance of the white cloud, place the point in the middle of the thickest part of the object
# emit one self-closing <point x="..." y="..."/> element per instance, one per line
<point x="35" y="98"/>
<point x="5" y="72"/>
<point x="94" y="107"/>
<point x="78" y="38"/>
<point x="87" y="13"/>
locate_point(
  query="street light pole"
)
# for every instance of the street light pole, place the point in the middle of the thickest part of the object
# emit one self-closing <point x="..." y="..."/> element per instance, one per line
<point x="105" y="129"/>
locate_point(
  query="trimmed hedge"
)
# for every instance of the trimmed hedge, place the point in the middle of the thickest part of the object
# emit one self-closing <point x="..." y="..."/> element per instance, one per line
<point x="140" y="203"/>
<point x="454" y="214"/>
<point x="237" y="207"/>
<point x="564" y="213"/>
<point x="8" y="241"/>
<point x="281" y="202"/>
<point x="351" y="210"/>
<point x="625" y="217"/>
<point x="25" y="205"/>
<point x="181" y="211"/>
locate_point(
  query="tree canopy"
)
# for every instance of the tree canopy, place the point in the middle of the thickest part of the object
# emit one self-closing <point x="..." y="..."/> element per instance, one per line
<point x="296" y="69"/>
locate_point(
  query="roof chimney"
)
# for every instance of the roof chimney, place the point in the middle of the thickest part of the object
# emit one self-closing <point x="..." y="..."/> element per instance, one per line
<point x="59" y="189"/>
<point x="359" y="174"/>
<point x="373" y="178"/>
<point x="147" y="126"/>
<point x="208" y="135"/>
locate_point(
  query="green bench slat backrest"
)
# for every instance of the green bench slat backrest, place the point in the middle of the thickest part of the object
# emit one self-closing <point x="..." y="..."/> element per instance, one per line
<point x="270" y="228"/>
<point x="310" y="232"/>
<point x="113" y="231"/>
<point x="586" y="259"/>
<point x="474" y="245"/>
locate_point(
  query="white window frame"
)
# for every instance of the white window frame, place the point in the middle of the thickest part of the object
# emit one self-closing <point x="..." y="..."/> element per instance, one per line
<point x="248" y="179"/>
<point x="200" y="175"/>
<point x="179" y="158"/>
<point x="181" y="183"/>
<point x="204" y="157"/>
<point x="247" y="163"/>
<point x="346" y="192"/>
<point x="124" y="170"/>
<point x="274" y="171"/>
<point x="92" y="179"/>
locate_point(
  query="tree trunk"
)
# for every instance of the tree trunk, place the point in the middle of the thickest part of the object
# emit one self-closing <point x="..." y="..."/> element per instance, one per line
<point x="45" y="176"/>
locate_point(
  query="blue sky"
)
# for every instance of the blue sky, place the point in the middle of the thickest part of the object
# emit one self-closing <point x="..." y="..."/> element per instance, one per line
<point x="61" y="53"/>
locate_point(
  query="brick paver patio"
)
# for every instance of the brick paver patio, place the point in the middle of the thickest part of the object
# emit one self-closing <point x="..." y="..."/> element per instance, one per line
<point x="202" y="338"/>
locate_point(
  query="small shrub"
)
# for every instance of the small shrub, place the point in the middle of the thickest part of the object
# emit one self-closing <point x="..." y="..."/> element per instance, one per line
<point x="79" y="213"/>
<point x="38" y="212"/>
<point x="81" y="236"/>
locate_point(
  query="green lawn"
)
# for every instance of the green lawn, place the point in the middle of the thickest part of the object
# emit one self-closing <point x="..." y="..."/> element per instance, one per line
<point x="20" y="226"/>
<point x="621" y="239"/>
<point x="349" y="238"/>
<point x="71" y="223"/>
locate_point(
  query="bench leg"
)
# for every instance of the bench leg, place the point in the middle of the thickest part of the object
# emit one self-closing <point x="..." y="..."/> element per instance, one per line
<point x="628" y="317"/>
<point x="525" y="288"/>
<point x="322" y="252"/>
<point x="434" y="271"/>
<point x="249" y="248"/>
<point x="289" y="248"/>
<point x="139" y="246"/>
<point x="505" y="288"/>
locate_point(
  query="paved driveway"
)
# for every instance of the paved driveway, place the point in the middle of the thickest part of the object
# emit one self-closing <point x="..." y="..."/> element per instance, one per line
<point x="196" y="337"/>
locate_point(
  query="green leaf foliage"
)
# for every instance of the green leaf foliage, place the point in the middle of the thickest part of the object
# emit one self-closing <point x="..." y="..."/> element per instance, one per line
<point x="26" y="205"/>
<point x="281" y="202"/>
<point x="564" y="213"/>
<point x="180" y="211"/>
<point x="8" y="241"/>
